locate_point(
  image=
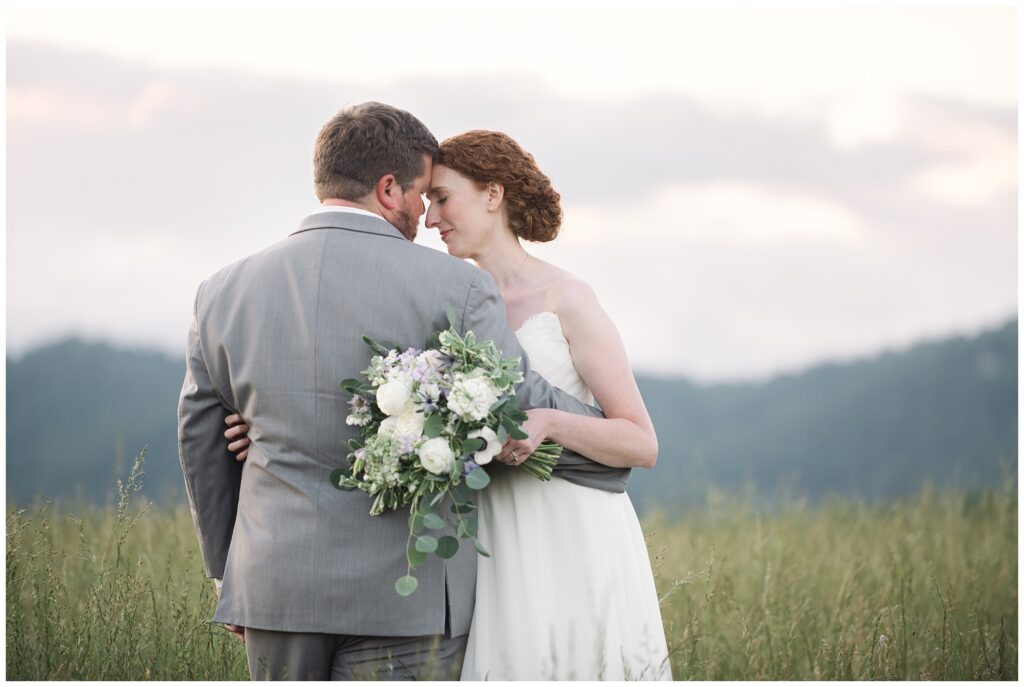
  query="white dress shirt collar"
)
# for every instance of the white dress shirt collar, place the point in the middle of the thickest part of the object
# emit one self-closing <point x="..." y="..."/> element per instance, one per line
<point x="344" y="208"/>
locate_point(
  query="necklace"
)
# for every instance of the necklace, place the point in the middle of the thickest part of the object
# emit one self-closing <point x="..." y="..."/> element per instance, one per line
<point x="510" y="281"/>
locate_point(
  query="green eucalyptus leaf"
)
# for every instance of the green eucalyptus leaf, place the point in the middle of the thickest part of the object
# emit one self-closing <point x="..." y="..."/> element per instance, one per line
<point x="437" y="499"/>
<point x="450" y="312"/>
<point x="433" y="521"/>
<point x="463" y="508"/>
<point x="418" y="523"/>
<point x="434" y="425"/>
<point x="502" y="434"/>
<point x="513" y="403"/>
<point x="416" y="557"/>
<point x="480" y="549"/>
<point x="468" y="527"/>
<point x="447" y="546"/>
<point x="518" y="433"/>
<point x="473" y="445"/>
<point x="478" y="479"/>
<point x="461" y="493"/>
<point x="426" y="544"/>
<point x="406" y="585"/>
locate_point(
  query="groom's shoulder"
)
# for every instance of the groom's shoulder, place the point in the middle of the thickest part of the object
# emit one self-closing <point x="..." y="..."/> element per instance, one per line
<point x="228" y="274"/>
<point x="432" y="259"/>
<point x="433" y="266"/>
<point x="427" y="264"/>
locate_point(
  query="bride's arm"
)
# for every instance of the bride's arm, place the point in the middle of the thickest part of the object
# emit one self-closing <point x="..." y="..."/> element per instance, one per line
<point x="626" y="437"/>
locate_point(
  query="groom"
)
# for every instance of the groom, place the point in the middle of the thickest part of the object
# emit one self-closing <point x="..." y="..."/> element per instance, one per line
<point x="308" y="576"/>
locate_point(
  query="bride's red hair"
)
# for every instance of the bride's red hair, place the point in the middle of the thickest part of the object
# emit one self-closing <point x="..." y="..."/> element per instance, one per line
<point x="532" y="204"/>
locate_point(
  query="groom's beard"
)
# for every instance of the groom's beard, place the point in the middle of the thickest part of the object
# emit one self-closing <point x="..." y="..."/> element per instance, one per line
<point x="405" y="223"/>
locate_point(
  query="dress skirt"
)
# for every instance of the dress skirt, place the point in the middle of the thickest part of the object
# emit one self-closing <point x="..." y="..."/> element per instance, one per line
<point x="568" y="592"/>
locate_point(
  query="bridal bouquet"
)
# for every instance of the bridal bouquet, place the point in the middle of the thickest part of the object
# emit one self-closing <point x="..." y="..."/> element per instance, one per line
<point x="429" y="420"/>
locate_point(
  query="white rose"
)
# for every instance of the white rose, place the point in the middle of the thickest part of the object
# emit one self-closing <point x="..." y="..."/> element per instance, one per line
<point x="491" y="449"/>
<point x="393" y="397"/>
<point x="437" y="456"/>
<point x="388" y="427"/>
<point x="472" y="397"/>
<point x="410" y="423"/>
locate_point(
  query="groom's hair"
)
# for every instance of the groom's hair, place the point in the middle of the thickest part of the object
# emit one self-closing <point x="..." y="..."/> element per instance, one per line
<point x="362" y="143"/>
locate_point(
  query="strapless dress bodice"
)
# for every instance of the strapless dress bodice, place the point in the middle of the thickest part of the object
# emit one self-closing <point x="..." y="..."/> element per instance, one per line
<point x="542" y="338"/>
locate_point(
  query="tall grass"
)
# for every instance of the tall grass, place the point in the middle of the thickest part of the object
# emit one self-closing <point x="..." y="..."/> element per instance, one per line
<point x="925" y="588"/>
<point x="921" y="589"/>
<point x="112" y="594"/>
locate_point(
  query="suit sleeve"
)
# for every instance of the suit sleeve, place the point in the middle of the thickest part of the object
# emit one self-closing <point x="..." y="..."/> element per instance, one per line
<point x="212" y="475"/>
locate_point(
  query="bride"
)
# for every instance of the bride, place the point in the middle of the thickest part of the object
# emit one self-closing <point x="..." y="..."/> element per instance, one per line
<point x="569" y="593"/>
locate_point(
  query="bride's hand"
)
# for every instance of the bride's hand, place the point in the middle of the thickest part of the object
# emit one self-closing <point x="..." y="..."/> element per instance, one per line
<point x="537" y="425"/>
<point x="237" y="428"/>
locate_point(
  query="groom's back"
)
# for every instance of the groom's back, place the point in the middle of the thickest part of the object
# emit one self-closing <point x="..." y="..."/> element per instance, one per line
<point x="279" y="332"/>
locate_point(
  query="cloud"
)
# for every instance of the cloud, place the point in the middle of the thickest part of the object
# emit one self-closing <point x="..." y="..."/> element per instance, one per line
<point x="983" y="151"/>
<point x="82" y="113"/>
<point x="703" y="230"/>
<point x="726" y="213"/>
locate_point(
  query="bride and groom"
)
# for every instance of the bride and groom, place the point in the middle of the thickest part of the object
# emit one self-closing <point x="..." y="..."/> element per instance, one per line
<point x="304" y="575"/>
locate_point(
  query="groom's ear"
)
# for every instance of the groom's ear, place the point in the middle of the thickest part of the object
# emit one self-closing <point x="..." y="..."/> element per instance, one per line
<point x="495" y="193"/>
<point x="388" y="191"/>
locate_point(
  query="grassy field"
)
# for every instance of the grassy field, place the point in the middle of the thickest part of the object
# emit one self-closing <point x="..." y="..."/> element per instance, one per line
<point x="921" y="589"/>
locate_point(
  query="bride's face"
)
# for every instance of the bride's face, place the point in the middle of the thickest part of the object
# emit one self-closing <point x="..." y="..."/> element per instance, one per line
<point x="458" y="209"/>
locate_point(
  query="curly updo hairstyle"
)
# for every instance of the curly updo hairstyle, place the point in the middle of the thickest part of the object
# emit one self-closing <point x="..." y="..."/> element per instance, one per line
<point x="532" y="204"/>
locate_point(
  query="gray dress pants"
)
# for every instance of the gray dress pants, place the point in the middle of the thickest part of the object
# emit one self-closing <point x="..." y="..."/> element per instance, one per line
<point x="306" y="656"/>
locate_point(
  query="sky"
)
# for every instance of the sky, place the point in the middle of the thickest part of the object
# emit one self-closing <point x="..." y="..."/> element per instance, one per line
<point x="750" y="190"/>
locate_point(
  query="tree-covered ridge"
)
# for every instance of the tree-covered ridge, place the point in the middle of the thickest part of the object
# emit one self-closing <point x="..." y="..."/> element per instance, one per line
<point x="945" y="412"/>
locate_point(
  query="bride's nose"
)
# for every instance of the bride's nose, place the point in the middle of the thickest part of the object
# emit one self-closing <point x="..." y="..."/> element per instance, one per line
<point x="433" y="216"/>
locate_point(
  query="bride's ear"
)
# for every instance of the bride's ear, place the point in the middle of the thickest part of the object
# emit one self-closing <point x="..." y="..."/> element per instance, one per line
<point x="495" y="194"/>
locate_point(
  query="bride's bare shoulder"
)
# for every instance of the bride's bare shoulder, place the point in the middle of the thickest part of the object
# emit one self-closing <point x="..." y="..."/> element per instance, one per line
<point x="572" y="299"/>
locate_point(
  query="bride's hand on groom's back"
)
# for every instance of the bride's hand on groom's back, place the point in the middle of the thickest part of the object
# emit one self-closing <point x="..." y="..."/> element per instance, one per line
<point x="238" y="441"/>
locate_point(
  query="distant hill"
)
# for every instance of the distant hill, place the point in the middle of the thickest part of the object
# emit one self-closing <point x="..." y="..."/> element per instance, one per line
<point x="945" y="412"/>
<point x="77" y="413"/>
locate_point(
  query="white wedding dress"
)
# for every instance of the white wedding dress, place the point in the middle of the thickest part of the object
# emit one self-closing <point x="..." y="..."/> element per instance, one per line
<point x="568" y="592"/>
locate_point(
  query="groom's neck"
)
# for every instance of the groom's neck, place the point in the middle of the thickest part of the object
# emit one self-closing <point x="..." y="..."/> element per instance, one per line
<point x="336" y="202"/>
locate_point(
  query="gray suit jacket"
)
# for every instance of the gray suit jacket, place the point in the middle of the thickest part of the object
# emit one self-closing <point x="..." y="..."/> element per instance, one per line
<point x="273" y="336"/>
